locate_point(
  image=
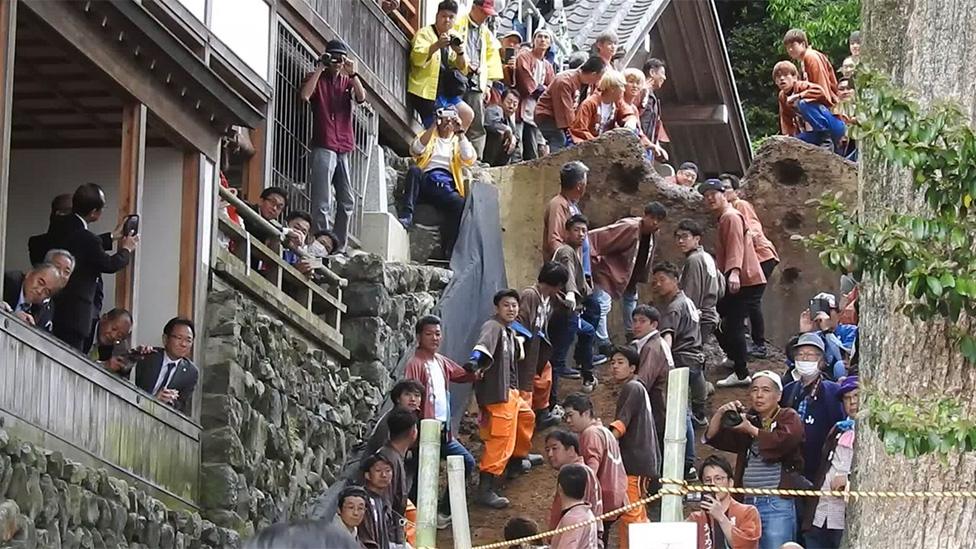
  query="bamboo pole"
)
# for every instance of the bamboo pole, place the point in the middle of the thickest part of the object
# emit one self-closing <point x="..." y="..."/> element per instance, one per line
<point x="675" y="440"/>
<point x="430" y="460"/>
<point x="457" y="485"/>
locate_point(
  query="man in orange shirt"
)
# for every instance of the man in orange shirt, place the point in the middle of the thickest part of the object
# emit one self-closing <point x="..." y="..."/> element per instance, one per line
<point x="805" y="104"/>
<point x="735" y="256"/>
<point x="816" y="67"/>
<point x="765" y="252"/>
<point x="557" y="106"/>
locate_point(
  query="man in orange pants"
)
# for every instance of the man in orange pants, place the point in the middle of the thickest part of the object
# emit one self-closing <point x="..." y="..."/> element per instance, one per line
<point x="535" y="371"/>
<point x="506" y="419"/>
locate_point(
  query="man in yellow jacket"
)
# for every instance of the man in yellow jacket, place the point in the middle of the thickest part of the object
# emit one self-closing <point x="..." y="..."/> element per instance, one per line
<point x="437" y="49"/>
<point x="484" y="64"/>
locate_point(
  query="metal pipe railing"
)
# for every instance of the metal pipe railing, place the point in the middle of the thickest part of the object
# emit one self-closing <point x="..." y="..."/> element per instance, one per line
<point x="250" y="216"/>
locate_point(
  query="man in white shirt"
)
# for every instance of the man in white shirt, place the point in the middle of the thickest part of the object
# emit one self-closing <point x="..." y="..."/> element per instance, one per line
<point x="167" y="373"/>
<point x="434" y="370"/>
<point x="440" y="154"/>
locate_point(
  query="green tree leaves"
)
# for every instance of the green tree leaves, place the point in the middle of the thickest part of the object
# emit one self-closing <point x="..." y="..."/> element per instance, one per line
<point x="828" y="23"/>
<point x="914" y="427"/>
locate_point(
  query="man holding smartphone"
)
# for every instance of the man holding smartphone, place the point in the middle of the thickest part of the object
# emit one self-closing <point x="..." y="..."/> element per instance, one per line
<point x="331" y="88"/>
<point x="722" y="521"/>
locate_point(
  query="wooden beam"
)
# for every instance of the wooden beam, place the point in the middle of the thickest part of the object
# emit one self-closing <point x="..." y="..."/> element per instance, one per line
<point x="128" y="73"/>
<point x="689" y="115"/>
<point x="189" y="232"/>
<point x="8" y="37"/>
<point x="131" y="182"/>
<point x="254" y="167"/>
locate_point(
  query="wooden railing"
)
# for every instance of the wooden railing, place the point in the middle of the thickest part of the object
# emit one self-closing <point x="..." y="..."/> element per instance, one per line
<point x="314" y="308"/>
<point x="59" y="400"/>
<point x="407" y="17"/>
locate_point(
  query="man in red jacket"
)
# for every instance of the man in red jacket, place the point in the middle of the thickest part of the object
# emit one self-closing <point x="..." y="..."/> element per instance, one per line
<point x="805" y="104"/>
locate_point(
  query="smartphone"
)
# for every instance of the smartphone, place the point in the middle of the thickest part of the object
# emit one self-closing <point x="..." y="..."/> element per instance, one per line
<point x="130" y="226"/>
<point x="508" y="55"/>
<point x="819" y="306"/>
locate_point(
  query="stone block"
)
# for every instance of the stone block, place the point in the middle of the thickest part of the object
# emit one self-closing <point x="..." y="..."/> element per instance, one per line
<point x="374" y="372"/>
<point x="222" y="445"/>
<point x="270" y="406"/>
<point x="224" y="378"/>
<point x="366" y="299"/>
<point x="25" y="489"/>
<point x="365" y="337"/>
<point x="218" y="486"/>
<point x="219" y="411"/>
<point x="9" y="510"/>
<point x="363" y="268"/>
<point x="383" y="235"/>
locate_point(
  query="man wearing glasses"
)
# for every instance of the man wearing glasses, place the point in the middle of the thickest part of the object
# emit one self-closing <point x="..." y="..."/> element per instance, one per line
<point x="167" y="373"/>
<point x="722" y="521"/>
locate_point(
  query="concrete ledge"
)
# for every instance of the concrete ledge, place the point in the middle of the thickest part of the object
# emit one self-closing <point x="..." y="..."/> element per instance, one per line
<point x="384" y="236"/>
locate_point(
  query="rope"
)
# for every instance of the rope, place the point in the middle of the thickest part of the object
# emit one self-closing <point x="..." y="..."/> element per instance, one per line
<point x="684" y="488"/>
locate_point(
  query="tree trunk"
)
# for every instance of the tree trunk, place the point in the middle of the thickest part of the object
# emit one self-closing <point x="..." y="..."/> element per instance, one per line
<point x="923" y="45"/>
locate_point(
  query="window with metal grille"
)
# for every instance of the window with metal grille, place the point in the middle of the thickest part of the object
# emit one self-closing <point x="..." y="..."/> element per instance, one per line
<point x="293" y="131"/>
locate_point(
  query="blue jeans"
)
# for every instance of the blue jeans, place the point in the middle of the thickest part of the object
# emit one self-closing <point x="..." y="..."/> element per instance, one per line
<point x="823" y="123"/>
<point x="438" y="188"/>
<point x="454" y="447"/>
<point x="563" y="330"/>
<point x="331" y="190"/>
<point x="628" y="304"/>
<point x="778" y="517"/>
<point x="555" y="137"/>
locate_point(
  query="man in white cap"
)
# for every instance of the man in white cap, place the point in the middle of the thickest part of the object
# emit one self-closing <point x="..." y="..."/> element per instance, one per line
<point x="768" y="442"/>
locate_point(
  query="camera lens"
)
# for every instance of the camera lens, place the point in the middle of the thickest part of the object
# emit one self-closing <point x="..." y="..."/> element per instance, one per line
<point x="731" y="418"/>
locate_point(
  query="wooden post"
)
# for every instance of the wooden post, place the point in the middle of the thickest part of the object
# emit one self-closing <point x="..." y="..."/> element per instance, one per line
<point x="8" y="36"/>
<point x="189" y="233"/>
<point x="674" y="441"/>
<point x="131" y="180"/>
<point x="457" y="487"/>
<point x="252" y="183"/>
<point x="430" y="460"/>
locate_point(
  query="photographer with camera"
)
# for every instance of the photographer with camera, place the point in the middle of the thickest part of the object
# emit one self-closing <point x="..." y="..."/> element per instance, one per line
<point x="484" y="64"/>
<point x="331" y="88"/>
<point x="440" y="153"/>
<point x="822" y="318"/>
<point x="438" y="65"/>
<point x="768" y="442"/>
<point x="722" y="521"/>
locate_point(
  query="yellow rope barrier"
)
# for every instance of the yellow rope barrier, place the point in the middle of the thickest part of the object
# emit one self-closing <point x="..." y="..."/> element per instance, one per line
<point x="684" y="488"/>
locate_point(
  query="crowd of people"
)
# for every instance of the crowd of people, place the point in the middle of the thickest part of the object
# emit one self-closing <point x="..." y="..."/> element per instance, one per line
<point x="62" y="293"/>
<point x="794" y="431"/>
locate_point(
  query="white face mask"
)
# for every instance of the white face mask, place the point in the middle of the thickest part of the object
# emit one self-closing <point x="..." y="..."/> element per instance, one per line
<point x="807" y="368"/>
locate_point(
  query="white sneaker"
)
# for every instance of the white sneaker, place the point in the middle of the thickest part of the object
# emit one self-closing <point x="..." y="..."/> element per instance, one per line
<point x="443" y="521"/>
<point x="734" y="381"/>
<point x="589" y="386"/>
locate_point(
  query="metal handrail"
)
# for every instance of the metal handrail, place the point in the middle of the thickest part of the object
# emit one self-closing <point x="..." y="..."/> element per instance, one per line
<point x="250" y="216"/>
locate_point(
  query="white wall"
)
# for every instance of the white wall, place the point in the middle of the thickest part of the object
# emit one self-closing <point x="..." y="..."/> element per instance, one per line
<point x="37" y="176"/>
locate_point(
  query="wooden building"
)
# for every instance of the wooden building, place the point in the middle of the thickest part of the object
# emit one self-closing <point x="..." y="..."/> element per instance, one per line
<point x="137" y="96"/>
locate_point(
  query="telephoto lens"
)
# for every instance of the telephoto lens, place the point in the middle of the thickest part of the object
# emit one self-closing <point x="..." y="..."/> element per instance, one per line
<point x="731" y="418"/>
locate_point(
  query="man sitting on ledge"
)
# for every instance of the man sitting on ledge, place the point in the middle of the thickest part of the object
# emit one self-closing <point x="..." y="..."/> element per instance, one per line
<point x="440" y="153"/>
<point x="167" y="373"/>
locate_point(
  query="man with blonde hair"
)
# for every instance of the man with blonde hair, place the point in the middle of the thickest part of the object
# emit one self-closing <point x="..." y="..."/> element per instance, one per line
<point x="599" y="112"/>
<point x="803" y="103"/>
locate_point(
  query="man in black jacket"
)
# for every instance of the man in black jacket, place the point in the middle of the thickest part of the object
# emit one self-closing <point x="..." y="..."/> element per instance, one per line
<point x="167" y="373"/>
<point x="28" y="295"/>
<point x="74" y="307"/>
<point x="39" y="244"/>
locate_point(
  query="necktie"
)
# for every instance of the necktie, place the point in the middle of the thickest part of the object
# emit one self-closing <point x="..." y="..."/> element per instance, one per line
<point x="24" y="307"/>
<point x="170" y="368"/>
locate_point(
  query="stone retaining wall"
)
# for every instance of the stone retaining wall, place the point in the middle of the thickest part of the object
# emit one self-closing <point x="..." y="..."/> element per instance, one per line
<point x="47" y="501"/>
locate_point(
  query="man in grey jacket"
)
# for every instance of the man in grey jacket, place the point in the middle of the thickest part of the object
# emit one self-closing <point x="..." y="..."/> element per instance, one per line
<point x="700" y="279"/>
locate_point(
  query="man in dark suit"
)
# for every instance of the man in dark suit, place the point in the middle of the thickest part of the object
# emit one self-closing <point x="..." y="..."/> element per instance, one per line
<point x="74" y="306"/>
<point x="28" y="295"/>
<point x="167" y="373"/>
<point x="39" y="244"/>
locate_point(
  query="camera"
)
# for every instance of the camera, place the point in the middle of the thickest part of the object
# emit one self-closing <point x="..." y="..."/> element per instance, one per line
<point x="455" y="41"/>
<point x="732" y="418"/>
<point x="331" y="59"/>
<point x="446" y="114"/>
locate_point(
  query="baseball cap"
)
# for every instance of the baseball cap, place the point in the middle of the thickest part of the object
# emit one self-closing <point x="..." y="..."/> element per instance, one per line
<point x="777" y="380"/>
<point x="849" y="384"/>
<point x="831" y="300"/>
<point x="511" y="33"/>
<point x="711" y="185"/>
<point x="487" y="5"/>
<point x="336" y="47"/>
<point x="809" y="339"/>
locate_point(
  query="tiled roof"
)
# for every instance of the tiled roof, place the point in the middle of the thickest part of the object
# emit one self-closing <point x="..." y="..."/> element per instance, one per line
<point x="630" y="19"/>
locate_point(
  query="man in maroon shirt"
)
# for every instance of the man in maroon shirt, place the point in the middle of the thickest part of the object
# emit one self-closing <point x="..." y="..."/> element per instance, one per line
<point x="331" y="88"/>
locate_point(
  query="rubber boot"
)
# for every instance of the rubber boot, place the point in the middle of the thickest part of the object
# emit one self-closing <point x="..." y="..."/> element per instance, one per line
<point x="486" y="492"/>
<point x="516" y="467"/>
<point x="535" y="459"/>
<point x="544" y="420"/>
